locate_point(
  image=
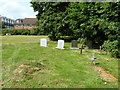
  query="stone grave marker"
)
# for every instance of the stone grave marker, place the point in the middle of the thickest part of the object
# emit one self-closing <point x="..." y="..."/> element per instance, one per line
<point x="60" y="44"/>
<point x="74" y="44"/>
<point x="43" y="42"/>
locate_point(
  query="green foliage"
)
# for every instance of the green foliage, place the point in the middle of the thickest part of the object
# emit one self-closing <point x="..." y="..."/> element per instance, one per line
<point x="112" y="47"/>
<point x="33" y="31"/>
<point x="15" y="31"/>
<point x="52" y="37"/>
<point x="107" y="46"/>
<point x="95" y="21"/>
<point x="81" y="40"/>
<point x="66" y="38"/>
<point x="52" y="18"/>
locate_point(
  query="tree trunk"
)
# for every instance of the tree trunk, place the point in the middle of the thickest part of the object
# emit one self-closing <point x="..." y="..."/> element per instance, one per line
<point x="81" y="49"/>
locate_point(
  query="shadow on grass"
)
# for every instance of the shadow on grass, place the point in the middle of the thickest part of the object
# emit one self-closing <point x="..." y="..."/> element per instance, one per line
<point x="97" y="63"/>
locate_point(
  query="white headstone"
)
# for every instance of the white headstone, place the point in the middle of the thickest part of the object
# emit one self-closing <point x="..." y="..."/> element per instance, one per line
<point x="60" y="44"/>
<point x="7" y="34"/>
<point x="43" y="42"/>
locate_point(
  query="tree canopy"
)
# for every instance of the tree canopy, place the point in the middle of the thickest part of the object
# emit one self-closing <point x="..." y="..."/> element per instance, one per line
<point x="96" y="21"/>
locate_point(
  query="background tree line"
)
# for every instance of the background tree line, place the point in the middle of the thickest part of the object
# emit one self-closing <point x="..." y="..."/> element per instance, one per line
<point x="95" y="21"/>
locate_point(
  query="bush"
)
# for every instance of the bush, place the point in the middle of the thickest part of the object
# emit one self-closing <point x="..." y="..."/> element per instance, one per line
<point x="52" y="37"/>
<point x="68" y="38"/>
<point x="14" y="31"/>
<point x="65" y="38"/>
<point x="112" y="47"/>
<point x="115" y="49"/>
<point x="33" y="31"/>
<point x="25" y="32"/>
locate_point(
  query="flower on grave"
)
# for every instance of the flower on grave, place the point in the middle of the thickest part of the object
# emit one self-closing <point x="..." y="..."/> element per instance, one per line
<point x="3" y="67"/>
<point x="2" y="84"/>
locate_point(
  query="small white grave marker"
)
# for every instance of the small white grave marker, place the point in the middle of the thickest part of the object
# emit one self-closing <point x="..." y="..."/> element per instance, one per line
<point x="93" y="59"/>
<point x="43" y="42"/>
<point x="60" y="44"/>
<point x="7" y="34"/>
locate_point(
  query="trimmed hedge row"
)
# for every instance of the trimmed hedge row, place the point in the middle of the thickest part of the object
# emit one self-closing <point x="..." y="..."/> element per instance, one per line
<point x="34" y="31"/>
<point x="65" y="38"/>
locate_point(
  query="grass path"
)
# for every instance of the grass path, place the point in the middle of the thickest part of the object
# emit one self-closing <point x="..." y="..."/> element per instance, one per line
<point x="30" y="66"/>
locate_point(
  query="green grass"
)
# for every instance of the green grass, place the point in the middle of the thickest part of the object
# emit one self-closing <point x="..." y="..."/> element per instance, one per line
<point x="22" y="39"/>
<point x="30" y="66"/>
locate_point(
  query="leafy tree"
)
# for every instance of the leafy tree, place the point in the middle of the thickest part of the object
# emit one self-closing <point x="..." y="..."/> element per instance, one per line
<point x="96" y="21"/>
<point x="82" y="42"/>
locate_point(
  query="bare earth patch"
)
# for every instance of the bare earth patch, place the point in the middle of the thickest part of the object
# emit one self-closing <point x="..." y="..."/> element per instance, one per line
<point x="19" y="69"/>
<point x="29" y="70"/>
<point x="78" y="50"/>
<point x="68" y="79"/>
<point x="80" y="86"/>
<point x="104" y="75"/>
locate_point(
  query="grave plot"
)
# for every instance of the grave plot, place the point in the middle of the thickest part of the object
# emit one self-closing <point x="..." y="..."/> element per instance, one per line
<point x="104" y="74"/>
<point x="31" y="68"/>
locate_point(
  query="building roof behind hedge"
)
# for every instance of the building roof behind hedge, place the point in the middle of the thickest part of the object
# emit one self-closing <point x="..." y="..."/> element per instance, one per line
<point x="26" y="21"/>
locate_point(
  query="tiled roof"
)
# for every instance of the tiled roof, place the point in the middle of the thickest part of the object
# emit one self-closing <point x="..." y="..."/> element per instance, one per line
<point x="26" y="21"/>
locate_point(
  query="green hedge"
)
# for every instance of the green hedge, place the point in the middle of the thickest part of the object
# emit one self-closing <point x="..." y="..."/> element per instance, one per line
<point x="34" y="31"/>
<point x="65" y="38"/>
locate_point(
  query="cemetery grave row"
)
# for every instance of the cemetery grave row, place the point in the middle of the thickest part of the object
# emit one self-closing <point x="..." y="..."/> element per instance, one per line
<point x="43" y="42"/>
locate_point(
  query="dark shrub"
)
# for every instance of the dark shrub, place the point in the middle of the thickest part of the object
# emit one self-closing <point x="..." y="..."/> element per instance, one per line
<point x="112" y="47"/>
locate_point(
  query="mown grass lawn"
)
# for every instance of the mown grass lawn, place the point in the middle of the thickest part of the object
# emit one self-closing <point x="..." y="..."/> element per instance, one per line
<point x="27" y="65"/>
